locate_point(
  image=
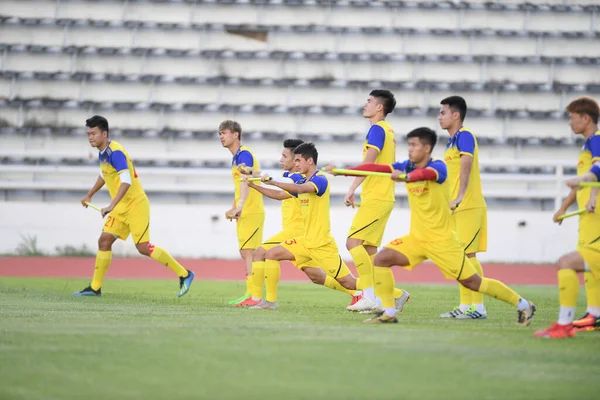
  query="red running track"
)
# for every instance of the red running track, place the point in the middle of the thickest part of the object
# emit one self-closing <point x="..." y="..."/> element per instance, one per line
<point x="144" y="268"/>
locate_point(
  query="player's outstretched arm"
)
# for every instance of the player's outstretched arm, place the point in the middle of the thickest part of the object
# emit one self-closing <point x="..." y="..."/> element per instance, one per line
<point x="97" y="186"/>
<point x="293" y="187"/>
<point x="270" y="193"/>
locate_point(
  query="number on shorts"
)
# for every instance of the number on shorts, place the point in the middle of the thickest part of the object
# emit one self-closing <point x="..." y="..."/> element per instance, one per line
<point x="290" y="242"/>
<point x="110" y="221"/>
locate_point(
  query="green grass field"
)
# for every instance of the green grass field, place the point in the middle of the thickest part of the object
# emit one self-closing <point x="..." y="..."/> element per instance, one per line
<point x="139" y="341"/>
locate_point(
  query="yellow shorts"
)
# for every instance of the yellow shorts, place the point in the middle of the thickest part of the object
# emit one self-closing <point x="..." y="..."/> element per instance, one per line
<point x="448" y="255"/>
<point x="250" y="231"/>
<point x="591" y="256"/>
<point x="288" y="232"/>
<point x="370" y="221"/>
<point x="471" y="228"/>
<point x="135" y="220"/>
<point x="326" y="257"/>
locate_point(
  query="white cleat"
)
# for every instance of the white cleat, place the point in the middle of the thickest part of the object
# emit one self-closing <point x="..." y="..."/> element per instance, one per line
<point x="452" y="314"/>
<point x="472" y="313"/>
<point x="265" y="305"/>
<point x="402" y="300"/>
<point x="363" y="304"/>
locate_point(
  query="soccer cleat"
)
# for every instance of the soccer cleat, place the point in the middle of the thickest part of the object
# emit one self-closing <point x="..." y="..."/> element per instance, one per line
<point x="363" y="304"/>
<point x="240" y="299"/>
<point x="452" y="314"/>
<point x="472" y="313"/>
<point x="88" y="291"/>
<point x="588" y="322"/>
<point x="185" y="283"/>
<point x="556" y="331"/>
<point x="381" y="318"/>
<point x="524" y="317"/>
<point x="357" y="296"/>
<point x="402" y="300"/>
<point x="249" y="302"/>
<point x="265" y="305"/>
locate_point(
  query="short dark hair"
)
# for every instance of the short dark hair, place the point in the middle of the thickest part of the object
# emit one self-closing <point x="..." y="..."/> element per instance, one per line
<point x="292" y="143"/>
<point x="456" y="103"/>
<point x="425" y="135"/>
<point x="307" y="150"/>
<point x="233" y="126"/>
<point x="386" y="98"/>
<point x="97" y="121"/>
<point x="585" y="106"/>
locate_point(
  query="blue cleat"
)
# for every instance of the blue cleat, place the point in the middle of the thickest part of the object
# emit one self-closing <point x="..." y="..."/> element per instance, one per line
<point x="88" y="291"/>
<point x="185" y="283"/>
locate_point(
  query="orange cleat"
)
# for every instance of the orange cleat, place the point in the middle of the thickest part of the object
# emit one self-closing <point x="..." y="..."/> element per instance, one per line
<point x="356" y="298"/>
<point x="588" y="322"/>
<point x="247" y="303"/>
<point x="556" y="331"/>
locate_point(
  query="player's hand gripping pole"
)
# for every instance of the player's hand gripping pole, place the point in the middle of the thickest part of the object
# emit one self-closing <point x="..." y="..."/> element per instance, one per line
<point x="87" y="203"/>
<point x="259" y="179"/>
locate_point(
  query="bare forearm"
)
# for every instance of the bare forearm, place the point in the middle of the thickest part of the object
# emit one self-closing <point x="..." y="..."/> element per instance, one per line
<point x="270" y="193"/>
<point x="466" y="164"/>
<point x="294" y="188"/>
<point x="357" y="182"/>
<point x="97" y="186"/>
<point x="244" y="190"/>
<point x="120" y="194"/>
<point x="570" y="199"/>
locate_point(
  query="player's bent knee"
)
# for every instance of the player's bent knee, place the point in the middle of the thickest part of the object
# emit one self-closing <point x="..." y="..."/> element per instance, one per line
<point x="259" y="254"/>
<point x="472" y="282"/>
<point x="352" y="243"/>
<point x="105" y="242"/>
<point x="316" y="275"/>
<point x="143" y="248"/>
<point x="385" y="258"/>
<point x="568" y="261"/>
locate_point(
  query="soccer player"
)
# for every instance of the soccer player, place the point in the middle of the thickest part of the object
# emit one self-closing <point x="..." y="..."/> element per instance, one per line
<point x="583" y="120"/>
<point x="128" y="212"/>
<point x="315" y="251"/>
<point x="292" y="226"/>
<point x="377" y="198"/>
<point x="248" y="208"/>
<point x="432" y="233"/>
<point x="469" y="210"/>
<point x="585" y="259"/>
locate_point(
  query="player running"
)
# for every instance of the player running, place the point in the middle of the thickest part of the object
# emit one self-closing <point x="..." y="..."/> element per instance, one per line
<point x="128" y="212"/>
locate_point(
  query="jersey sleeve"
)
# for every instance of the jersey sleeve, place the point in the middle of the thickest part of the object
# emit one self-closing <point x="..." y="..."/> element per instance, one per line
<point x="400" y="166"/>
<point x="320" y="183"/>
<point x="118" y="161"/>
<point x="466" y="143"/>
<point x="297" y="178"/>
<point x="245" y="157"/>
<point x="440" y="168"/>
<point x="376" y="137"/>
<point x="595" y="148"/>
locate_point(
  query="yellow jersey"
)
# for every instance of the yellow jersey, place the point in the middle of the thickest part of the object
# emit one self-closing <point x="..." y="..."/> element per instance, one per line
<point x="464" y="143"/>
<point x="429" y="201"/>
<point x="115" y="161"/>
<point x="381" y="138"/>
<point x="315" y="212"/>
<point x="291" y="213"/>
<point x="588" y="222"/>
<point x="254" y="202"/>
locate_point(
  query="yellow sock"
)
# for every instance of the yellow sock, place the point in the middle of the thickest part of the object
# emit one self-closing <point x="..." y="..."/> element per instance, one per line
<point x="163" y="257"/>
<point x="384" y="286"/>
<point x="397" y="292"/>
<point x="335" y="285"/>
<point x="591" y="290"/>
<point x="102" y="263"/>
<point x="465" y="295"/>
<point x="499" y="290"/>
<point x="272" y="274"/>
<point x="568" y="287"/>
<point x="258" y="279"/>
<point x="476" y="297"/>
<point x="363" y="264"/>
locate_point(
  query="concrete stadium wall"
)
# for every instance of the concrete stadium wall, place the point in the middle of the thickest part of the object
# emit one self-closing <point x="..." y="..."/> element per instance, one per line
<point x="200" y="231"/>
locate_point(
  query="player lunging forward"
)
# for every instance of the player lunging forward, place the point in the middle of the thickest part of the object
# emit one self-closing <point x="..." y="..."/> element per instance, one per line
<point x="432" y="233"/>
<point x="469" y="210"/>
<point x="248" y="209"/>
<point x="128" y="212"/>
